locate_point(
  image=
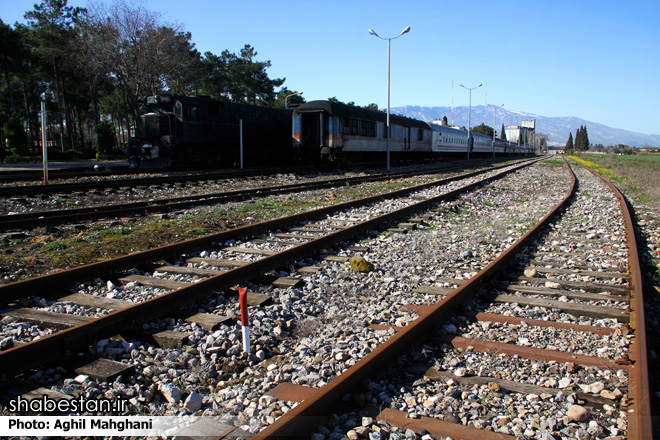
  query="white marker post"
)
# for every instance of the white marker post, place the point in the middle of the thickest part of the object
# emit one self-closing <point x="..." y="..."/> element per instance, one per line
<point x="242" y="296"/>
<point x="44" y="137"/>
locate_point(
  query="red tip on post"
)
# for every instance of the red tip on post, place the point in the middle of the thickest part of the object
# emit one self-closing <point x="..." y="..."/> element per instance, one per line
<point x="242" y="295"/>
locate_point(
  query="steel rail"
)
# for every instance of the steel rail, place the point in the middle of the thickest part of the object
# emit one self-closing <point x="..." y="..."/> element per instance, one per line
<point x="640" y="420"/>
<point x="55" y="217"/>
<point x="10" y="191"/>
<point x="305" y="418"/>
<point x="62" y="343"/>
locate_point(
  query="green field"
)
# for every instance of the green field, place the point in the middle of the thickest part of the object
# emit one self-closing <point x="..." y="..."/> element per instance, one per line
<point x="637" y="176"/>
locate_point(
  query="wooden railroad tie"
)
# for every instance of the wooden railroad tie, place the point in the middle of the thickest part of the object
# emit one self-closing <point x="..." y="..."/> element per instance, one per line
<point x="437" y="428"/>
<point x="290" y="392"/>
<point x="208" y="321"/>
<point x="533" y="290"/>
<point x="52" y="320"/>
<point x="216" y="262"/>
<point x="106" y="370"/>
<point x="28" y="392"/>
<point x="515" y="387"/>
<point x="577" y="271"/>
<point x="99" y="302"/>
<point x="586" y="286"/>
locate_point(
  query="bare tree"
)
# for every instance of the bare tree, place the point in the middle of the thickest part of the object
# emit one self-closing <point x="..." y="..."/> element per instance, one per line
<point x="141" y="55"/>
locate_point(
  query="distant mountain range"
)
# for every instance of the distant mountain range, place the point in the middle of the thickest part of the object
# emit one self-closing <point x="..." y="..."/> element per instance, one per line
<point x="557" y="129"/>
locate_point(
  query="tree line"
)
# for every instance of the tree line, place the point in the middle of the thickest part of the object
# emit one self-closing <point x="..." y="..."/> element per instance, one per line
<point x="581" y="142"/>
<point x="93" y="65"/>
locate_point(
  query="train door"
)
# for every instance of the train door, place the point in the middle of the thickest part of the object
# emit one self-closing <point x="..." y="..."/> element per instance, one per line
<point x="311" y="130"/>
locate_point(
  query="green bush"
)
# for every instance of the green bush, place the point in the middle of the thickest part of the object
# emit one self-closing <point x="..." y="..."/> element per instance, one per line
<point x="15" y="134"/>
<point x="18" y="158"/>
<point x="105" y="135"/>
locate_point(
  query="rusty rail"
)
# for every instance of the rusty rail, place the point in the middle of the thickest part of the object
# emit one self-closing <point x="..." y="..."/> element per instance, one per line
<point x="640" y="421"/>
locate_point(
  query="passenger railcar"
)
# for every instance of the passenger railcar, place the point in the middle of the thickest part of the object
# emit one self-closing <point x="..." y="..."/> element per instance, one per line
<point x="448" y="139"/>
<point x="332" y="130"/>
<point x="186" y="131"/>
<point x="326" y="129"/>
<point x="454" y="140"/>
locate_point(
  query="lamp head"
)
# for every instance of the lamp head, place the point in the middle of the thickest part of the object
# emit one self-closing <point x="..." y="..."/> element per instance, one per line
<point x="406" y="30"/>
<point x="371" y="31"/>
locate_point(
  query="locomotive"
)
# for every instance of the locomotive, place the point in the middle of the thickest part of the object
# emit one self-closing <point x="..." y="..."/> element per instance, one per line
<point x="176" y="130"/>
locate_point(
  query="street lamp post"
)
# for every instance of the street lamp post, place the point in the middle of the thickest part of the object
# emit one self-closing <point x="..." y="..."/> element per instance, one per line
<point x="389" y="40"/>
<point x="494" y="125"/>
<point x="287" y="98"/>
<point x="469" y="89"/>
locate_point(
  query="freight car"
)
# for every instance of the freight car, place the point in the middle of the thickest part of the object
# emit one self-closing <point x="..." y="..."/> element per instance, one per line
<point x="188" y="131"/>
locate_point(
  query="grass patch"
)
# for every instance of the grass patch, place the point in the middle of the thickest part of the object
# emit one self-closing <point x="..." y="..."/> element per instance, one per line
<point x="120" y="230"/>
<point x="551" y="163"/>
<point x="269" y="207"/>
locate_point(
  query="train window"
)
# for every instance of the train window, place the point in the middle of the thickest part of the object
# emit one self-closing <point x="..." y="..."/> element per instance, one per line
<point x="372" y="129"/>
<point x="177" y="110"/>
<point x="192" y="112"/>
<point x="420" y="134"/>
<point x="347" y="126"/>
<point x="363" y="128"/>
<point x="355" y="125"/>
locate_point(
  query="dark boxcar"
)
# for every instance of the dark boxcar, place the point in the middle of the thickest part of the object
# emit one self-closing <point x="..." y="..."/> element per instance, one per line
<point x="200" y="131"/>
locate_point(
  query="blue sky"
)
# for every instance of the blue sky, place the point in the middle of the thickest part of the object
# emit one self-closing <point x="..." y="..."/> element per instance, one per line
<point x="596" y="60"/>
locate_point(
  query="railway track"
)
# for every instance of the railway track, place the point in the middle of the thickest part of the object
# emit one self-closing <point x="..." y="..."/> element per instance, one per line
<point x="110" y="180"/>
<point x="558" y="300"/>
<point x="66" y="183"/>
<point x="256" y="257"/>
<point x="304" y="246"/>
<point x="162" y="204"/>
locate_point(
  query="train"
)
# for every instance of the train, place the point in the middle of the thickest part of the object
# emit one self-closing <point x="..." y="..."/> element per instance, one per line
<point x="177" y="130"/>
<point x="333" y="130"/>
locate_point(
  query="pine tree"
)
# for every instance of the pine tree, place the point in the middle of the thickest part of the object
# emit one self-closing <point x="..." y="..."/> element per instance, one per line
<point x="586" y="138"/>
<point x="569" y="143"/>
<point x="503" y="133"/>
